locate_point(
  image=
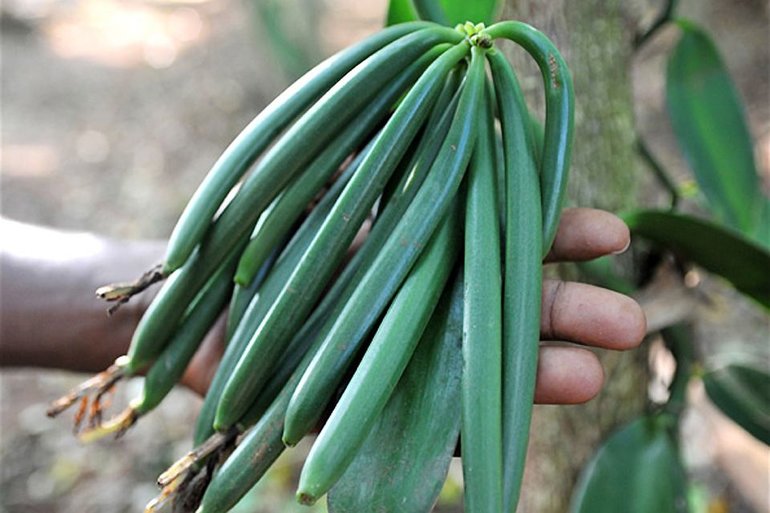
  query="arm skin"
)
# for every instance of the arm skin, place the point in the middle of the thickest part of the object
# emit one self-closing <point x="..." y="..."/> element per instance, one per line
<point x="50" y="317"/>
<point x="49" y="314"/>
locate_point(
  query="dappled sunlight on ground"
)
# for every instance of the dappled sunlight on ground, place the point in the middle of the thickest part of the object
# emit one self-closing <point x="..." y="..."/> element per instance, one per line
<point x="121" y="33"/>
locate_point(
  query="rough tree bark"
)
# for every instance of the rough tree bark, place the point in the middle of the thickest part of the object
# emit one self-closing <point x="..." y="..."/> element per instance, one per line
<point x="596" y="39"/>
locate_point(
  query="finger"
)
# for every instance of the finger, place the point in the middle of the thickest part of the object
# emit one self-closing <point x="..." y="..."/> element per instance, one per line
<point x="589" y="315"/>
<point x="567" y="375"/>
<point x="587" y="233"/>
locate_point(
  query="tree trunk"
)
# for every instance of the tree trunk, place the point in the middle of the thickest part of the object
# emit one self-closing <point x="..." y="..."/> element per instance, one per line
<point x="595" y="37"/>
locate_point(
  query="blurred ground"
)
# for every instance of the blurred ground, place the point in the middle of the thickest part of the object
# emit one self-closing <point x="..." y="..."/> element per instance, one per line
<point x="113" y="110"/>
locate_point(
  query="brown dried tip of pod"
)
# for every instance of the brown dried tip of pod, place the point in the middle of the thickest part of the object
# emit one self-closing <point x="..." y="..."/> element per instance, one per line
<point x="120" y="293"/>
<point x="90" y="394"/>
<point x="184" y="483"/>
<point x="218" y="442"/>
<point x="118" y="425"/>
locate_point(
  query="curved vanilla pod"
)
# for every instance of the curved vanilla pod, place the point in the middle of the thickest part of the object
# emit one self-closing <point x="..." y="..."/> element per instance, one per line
<point x="293" y="200"/>
<point x="383" y="363"/>
<point x="313" y="130"/>
<point x="411" y="176"/>
<point x="559" y="118"/>
<point x="393" y="262"/>
<point x="412" y="170"/>
<point x="242" y="296"/>
<point x="303" y="287"/>
<point x="257" y="136"/>
<point x="263" y="300"/>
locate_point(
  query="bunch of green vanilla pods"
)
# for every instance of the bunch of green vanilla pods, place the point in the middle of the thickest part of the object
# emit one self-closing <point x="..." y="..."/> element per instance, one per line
<point x="418" y="137"/>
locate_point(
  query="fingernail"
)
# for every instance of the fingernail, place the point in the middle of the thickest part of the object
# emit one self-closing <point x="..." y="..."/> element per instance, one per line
<point x="623" y="249"/>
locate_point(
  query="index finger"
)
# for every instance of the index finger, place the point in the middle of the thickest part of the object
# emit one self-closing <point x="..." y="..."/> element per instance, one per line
<point x="588" y="233"/>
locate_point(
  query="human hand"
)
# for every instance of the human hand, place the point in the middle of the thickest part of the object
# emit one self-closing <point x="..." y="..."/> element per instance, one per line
<point x="572" y="312"/>
<point x="583" y="314"/>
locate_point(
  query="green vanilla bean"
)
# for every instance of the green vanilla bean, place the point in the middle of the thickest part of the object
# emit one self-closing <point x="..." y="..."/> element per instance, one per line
<point x="417" y="431"/>
<point x="411" y="177"/>
<point x="481" y="433"/>
<point x="294" y="199"/>
<point x="305" y="284"/>
<point x="261" y="302"/>
<point x="395" y="259"/>
<point x="258" y="135"/>
<point x="522" y="279"/>
<point x="559" y="118"/>
<point x="382" y="365"/>
<point x="315" y="128"/>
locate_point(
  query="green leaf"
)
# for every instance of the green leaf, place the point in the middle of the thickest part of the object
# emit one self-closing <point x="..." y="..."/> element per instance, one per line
<point x="708" y="120"/>
<point x="445" y="12"/>
<point x="636" y="470"/>
<point x="742" y="392"/>
<point x="403" y="463"/>
<point x="401" y="11"/>
<point x="601" y="272"/>
<point x="431" y="10"/>
<point x="679" y="340"/>
<point x="477" y="11"/>
<point x="716" y="248"/>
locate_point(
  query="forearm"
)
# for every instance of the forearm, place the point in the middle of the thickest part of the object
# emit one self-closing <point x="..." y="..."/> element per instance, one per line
<point x="49" y="314"/>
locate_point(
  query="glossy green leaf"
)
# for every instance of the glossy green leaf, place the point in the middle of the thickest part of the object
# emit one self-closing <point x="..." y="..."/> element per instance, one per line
<point x="601" y="272"/>
<point x="431" y="10"/>
<point x="708" y="120"/>
<point x="477" y="11"/>
<point x="446" y="12"/>
<point x="636" y="470"/>
<point x="401" y="11"/>
<point x="403" y="463"/>
<point x="742" y="392"/>
<point x="715" y="248"/>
